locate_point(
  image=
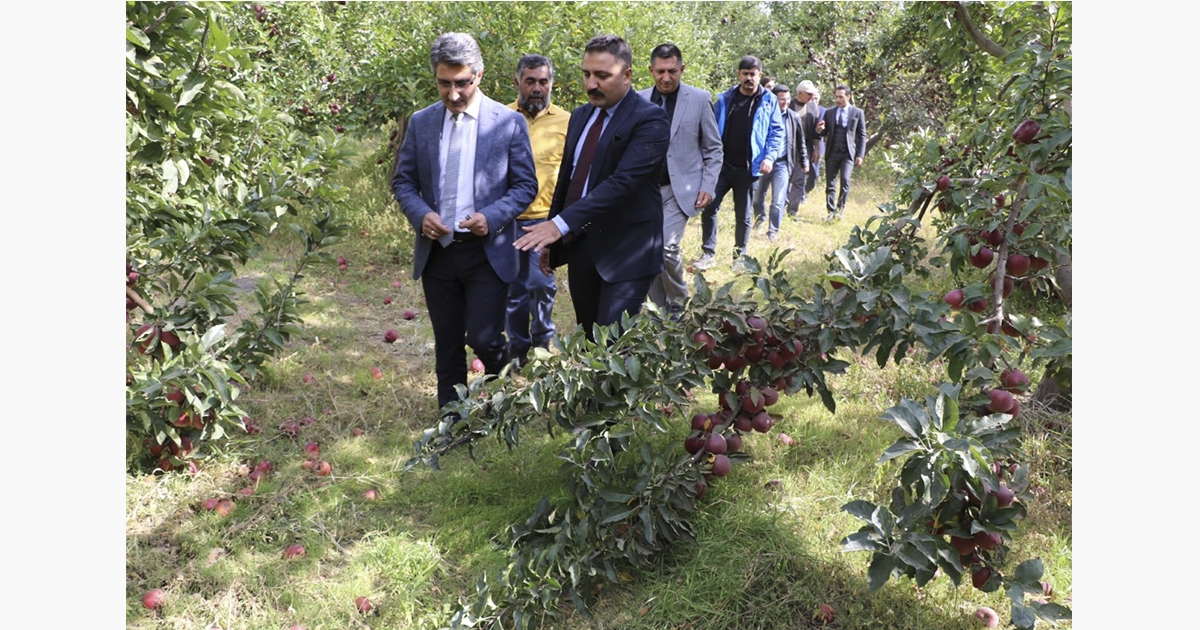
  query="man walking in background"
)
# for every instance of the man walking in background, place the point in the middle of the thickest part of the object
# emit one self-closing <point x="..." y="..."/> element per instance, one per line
<point x="465" y="171"/>
<point x="531" y="294"/>
<point x="689" y="174"/>
<point x="807" y="103"/>
<point x="845" y="131"/>
<point x="751" y="135"/>
<point x="793" y="156"/>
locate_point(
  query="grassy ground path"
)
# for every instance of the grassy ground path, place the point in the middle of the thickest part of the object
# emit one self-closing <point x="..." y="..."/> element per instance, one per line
<point x="766" y="555"/>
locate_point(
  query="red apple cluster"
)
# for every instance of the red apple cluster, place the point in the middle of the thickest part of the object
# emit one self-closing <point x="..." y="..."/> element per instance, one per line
<point x="151" y="337"/>
<point x="975" y="550"/>
<point x="774" y="349"/>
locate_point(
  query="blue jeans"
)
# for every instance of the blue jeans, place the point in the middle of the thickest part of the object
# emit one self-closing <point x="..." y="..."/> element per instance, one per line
<point x="530" y="302"/>
<point x="777" y="181"/>
<point x="802" y="184"/>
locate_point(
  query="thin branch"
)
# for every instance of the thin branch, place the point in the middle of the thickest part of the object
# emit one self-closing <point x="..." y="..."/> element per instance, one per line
<point x="137" y="299"/>
<point x="162" y="16"/>
<point x="990" y="47"/>
<point x="200" y="49"/>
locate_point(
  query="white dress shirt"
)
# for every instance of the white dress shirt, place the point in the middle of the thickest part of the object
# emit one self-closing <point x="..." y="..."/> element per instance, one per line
<point x="466" y="163"/>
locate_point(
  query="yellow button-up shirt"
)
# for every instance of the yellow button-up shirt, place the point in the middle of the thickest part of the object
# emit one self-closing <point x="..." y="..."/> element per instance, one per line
<point x="547" y="137"/>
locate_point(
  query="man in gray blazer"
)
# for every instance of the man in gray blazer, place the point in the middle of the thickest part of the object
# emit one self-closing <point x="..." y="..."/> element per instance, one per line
<point x="464" y="172"/>
<point x="690" y="171"/>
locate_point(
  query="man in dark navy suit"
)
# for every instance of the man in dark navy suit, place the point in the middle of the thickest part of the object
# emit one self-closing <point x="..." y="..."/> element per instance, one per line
<point x="464" y="172"/>
<point x="606" y="216"/>
<point x="845" y="131"/>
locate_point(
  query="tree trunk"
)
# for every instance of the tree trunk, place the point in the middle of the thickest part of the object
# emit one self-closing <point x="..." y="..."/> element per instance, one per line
<point x="1062" y="277"/>
<point x="1054" y="392"/>
<point x="872" y="141"/>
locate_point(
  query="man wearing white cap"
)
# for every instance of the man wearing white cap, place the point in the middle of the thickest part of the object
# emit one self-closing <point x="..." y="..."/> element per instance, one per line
<point x="806" y="103"/>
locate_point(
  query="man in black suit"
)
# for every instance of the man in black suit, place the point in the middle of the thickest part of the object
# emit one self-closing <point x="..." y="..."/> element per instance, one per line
<point x="845" y="131"/>
<point x="606" y="216"/>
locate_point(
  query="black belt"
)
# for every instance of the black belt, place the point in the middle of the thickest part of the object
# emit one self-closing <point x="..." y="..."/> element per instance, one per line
<point x="466" y="237"/>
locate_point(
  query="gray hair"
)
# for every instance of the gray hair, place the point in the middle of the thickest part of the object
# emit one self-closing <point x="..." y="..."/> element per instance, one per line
<point x="456" y="49"/>
<point x="533" y="62"/>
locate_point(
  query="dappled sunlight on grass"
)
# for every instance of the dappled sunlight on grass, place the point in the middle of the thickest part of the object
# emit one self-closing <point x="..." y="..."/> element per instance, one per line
<point x="766" y="555"/>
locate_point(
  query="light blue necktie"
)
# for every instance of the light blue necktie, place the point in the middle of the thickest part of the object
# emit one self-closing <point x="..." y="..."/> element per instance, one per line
<point x="449" y="207"/>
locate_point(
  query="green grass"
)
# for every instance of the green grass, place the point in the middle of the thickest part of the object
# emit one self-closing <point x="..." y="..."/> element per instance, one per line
<point x="763" y="557"/>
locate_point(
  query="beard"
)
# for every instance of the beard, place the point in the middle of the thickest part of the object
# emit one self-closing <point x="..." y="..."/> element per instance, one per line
<point x="534" y="105"/>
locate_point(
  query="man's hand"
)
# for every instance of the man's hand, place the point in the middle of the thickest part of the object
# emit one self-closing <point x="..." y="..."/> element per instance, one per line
<point x="703" y="199"/>
<point x="805" y="169"/>
<point x="857" y="161"/>
<point x="766" y="167"/>
<point x="538" y="237"/>
<point x="544" y="264"/>
<point x="476" y="224"/>
<point x="432" y="227"/>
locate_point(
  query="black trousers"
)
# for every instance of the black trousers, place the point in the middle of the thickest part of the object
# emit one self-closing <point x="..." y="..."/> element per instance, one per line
<point x="838" y="168"/>
<point x="596" y="300"/>
<point x="741" y="183"/>
<point x="466" y="301"/>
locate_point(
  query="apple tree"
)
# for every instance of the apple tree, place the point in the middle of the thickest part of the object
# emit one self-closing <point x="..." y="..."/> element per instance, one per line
<point x="212" y="169"/>
<point x="995" y="187"/>
<point x="987" y="179"/>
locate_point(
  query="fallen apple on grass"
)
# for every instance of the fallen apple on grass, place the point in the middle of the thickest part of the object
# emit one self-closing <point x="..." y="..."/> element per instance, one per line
<point x="153" y="599"/>
<point x="987" y="617"/>
<point x="224" y="507"/>
<point x="292" y="551"/>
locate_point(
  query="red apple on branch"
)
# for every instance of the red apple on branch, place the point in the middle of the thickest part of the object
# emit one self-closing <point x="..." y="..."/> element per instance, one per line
<point x="1026" y="132"/>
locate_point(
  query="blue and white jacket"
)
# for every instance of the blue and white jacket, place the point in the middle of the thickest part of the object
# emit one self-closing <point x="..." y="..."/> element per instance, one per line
<point x="766" y="130"/>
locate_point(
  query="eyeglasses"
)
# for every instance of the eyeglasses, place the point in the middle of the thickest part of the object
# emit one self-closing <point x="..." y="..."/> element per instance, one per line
<point x="461" y="84"/>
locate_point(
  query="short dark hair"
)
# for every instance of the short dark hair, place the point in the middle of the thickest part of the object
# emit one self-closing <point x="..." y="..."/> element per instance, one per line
<point x="666" y="51"/>
<point x="533" y="62"/>
<point x="612" y="45"/>
<point x="844" y="88"/>
<point x="748" y="62"/>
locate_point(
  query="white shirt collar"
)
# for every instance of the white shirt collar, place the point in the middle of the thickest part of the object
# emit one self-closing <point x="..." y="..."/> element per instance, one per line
<point x="472" y="110"/>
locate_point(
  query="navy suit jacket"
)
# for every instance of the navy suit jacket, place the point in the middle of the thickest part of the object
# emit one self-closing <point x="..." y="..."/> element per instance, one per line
<point x="856" y="130"/>
<point x="621" y="214"/>
<point x="505" y="179"/>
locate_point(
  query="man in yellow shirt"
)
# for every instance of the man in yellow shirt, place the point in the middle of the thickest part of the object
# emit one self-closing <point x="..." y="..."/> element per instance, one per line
<point x="531" y="294"/>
